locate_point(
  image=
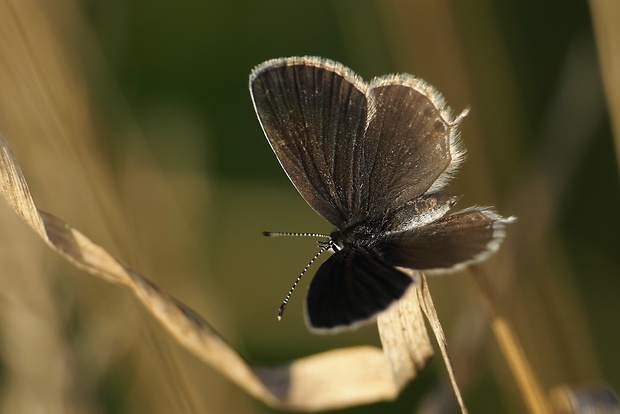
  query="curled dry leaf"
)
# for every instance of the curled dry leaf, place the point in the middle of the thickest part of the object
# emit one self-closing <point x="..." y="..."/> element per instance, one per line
<point x="404" y="336"/>
<point x="328" y="380"/>
<point x="405" y="339"/>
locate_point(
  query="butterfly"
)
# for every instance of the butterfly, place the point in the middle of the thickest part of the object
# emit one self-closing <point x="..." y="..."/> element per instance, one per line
<point x="372" y="159"/>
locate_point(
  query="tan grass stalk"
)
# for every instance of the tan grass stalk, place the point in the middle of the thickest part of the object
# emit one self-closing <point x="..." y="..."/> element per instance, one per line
<point x="526" y="379"/>
<point x="431" y="314"/>
<point x="605" y="18"/>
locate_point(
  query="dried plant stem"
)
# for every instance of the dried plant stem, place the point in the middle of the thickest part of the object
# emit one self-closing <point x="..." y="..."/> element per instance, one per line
<point x="525" y="377"/>
<point x="508" y="342"/>
<point x="431" y="314"/>
<point x="605" y="14"/>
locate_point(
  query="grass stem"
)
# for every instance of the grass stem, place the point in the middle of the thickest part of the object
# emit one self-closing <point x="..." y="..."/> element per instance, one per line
<point x="526" y="379"/>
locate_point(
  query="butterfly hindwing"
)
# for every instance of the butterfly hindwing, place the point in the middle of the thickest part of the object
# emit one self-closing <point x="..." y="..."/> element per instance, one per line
<point x="421" y="210"/>
<point x="447" y="244"/>
<point x="351" y="287"/>
<point x="410" y="142"/>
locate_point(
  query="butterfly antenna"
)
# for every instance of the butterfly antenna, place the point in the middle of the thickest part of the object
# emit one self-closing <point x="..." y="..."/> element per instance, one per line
<point x="325" y="247"/>
<point x="280" y="233"/>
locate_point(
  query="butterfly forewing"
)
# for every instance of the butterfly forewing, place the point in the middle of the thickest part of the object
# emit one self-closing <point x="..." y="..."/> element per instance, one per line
<point x="409" y="144"/>
<point x="351" y="149"/>
<point x="313" y="113"/>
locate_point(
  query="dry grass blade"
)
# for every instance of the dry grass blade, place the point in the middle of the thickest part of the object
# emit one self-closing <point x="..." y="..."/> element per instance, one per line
<point x="329" y="380"/>
<point x="15" y="190"/>
<point x="431" y="314"/>
<point x="404" y="336"/>
<point x="605" y="15"/>
<point x="337" y="378"/>
<point x="525" y="377"/>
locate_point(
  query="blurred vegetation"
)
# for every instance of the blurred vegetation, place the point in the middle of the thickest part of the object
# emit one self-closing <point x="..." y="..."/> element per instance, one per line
<point x="133" y="122"/>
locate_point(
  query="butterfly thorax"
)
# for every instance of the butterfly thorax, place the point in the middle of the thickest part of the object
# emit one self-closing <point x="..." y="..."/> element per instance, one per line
<point x="362" y="234"/>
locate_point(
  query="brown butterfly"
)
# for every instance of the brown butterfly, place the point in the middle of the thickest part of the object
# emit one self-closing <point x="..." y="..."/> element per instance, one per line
<point x="372" y="159"/>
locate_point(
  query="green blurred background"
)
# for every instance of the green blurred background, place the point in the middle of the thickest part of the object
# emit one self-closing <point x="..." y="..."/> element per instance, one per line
<point x="133" y="122"/>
